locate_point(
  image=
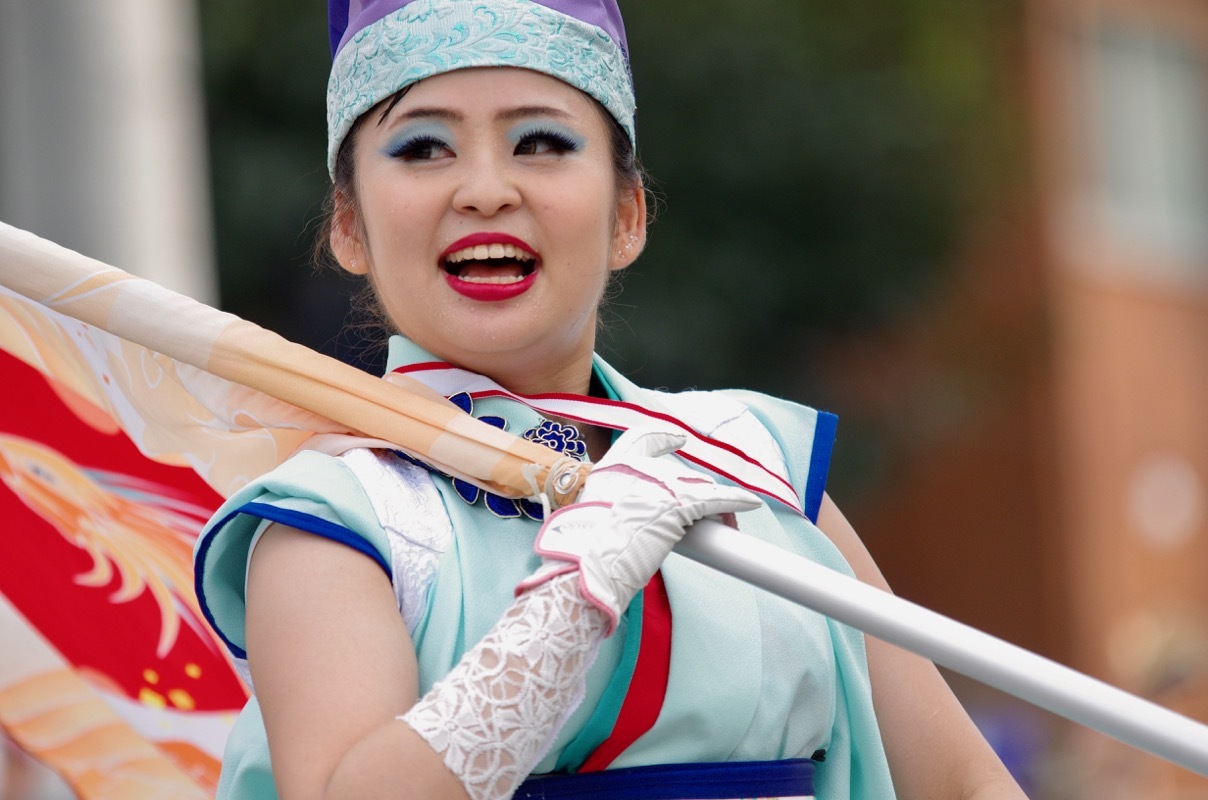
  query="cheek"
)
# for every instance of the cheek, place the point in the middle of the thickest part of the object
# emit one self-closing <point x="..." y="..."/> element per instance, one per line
<point x="391" y="193"/>
<point x="399" y="227"/>
<point x="591" y="221"/>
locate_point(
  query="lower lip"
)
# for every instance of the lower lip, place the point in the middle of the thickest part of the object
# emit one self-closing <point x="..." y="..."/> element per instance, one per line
<point x="491" y="292"/>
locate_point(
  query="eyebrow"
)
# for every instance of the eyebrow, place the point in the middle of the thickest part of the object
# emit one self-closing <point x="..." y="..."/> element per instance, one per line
<point x="532" y="111"/>
<point x="432" y="113"/>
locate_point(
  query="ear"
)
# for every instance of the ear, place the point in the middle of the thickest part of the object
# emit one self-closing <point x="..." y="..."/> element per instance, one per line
<point x="345" y="239"/>
<point x="629" y="238"/>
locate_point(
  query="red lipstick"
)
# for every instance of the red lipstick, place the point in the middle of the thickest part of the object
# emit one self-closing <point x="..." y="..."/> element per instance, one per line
<point x="491" y="292"/>
<point x="475" y="239"/>
<point x="476" y="282"/>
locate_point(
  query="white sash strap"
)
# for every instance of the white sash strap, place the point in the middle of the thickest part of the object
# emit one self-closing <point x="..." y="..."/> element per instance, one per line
<point x="720" y="457"/>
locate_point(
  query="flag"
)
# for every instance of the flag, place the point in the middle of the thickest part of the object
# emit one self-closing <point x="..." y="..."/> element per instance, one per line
<point x="118" y="440"/>
<point x="108" y="672"/>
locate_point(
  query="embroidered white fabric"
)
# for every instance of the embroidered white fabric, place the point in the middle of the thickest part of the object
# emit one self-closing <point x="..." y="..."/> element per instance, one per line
<point x="410" y="510"/>
<point x="494" y="717"/>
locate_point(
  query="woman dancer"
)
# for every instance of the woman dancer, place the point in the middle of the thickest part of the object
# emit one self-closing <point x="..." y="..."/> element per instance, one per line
<point x="409" y="635"/>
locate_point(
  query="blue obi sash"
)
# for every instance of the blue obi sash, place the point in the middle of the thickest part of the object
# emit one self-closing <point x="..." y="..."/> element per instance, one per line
<point x="720" y="781"/>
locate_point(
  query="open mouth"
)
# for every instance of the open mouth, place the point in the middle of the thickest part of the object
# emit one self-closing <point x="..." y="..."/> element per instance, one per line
<point x="495" y="263"/>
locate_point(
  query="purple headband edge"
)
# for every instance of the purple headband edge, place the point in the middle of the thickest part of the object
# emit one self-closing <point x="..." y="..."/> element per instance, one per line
<point x="346" y="17"/>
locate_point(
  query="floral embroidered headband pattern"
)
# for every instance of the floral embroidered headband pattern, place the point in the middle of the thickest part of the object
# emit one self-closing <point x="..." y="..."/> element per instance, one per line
<point x="382" y="46"/>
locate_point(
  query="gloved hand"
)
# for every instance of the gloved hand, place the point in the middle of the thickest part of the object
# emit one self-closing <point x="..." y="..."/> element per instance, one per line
<point x="493" y="716"/>
<point x="634" y="507"/>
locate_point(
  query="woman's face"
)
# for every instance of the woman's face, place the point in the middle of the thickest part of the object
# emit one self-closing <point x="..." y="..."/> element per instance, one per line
<point x="490" y="221"/>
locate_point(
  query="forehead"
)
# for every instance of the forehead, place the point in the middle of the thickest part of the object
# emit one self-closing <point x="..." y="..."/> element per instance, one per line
<point x="493" y="89"/>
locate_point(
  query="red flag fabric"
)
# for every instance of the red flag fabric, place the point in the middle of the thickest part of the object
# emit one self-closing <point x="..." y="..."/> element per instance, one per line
<point x="109" y="674"/>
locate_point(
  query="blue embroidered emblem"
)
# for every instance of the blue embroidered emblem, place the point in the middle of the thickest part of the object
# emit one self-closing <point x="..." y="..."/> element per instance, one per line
<point x="563" y="438"/>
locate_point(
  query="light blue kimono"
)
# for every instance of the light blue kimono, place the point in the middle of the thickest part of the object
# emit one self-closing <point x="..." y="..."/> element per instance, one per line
<point x="752" y="677"/>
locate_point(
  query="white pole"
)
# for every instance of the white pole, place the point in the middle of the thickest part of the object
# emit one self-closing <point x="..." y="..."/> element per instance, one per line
<point x="971" y="652"/>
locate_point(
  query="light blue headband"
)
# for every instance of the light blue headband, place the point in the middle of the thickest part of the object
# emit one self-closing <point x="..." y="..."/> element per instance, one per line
<point x="427" y="37"/>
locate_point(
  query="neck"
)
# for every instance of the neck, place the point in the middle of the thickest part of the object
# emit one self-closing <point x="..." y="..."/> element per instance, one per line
<point x="528" y="378"/>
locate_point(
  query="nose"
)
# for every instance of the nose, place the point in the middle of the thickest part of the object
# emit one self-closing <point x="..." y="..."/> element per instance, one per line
<point x="487" y="186"/>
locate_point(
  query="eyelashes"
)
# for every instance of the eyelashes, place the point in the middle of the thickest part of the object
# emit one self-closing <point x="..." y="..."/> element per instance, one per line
<point x="420" y="140"/>
<point x="547" y="140"/>
<point x="535" y="140"/>
<point x="420" y="147"/>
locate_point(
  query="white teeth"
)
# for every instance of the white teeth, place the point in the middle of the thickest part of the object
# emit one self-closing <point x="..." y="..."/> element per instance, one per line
<point x="497" y="279"/>
<point x="484" y="251"/>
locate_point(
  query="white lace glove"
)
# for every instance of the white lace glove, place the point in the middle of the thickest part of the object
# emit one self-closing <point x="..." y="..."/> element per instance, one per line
<point x="635" y="506"/>
<point x="493" y="718"/>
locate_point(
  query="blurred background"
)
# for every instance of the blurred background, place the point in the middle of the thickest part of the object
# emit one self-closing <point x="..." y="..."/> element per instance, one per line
<point x="975" y="229"/>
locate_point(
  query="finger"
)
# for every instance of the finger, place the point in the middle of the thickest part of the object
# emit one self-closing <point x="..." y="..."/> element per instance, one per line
<point x="710" y="500"/>
<point x="643" y="443"/>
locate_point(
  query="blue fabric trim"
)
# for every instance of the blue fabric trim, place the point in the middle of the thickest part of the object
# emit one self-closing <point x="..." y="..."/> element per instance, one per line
<point x="678" y="782"/>
<point x="820" y="457"/>
<point x="317" y="526"/>
<point x="200" y="561"/>
<point x="295" y="519"/>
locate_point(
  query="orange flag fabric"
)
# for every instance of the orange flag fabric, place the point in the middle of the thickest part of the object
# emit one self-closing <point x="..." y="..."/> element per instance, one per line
<point x="127" y="413"/>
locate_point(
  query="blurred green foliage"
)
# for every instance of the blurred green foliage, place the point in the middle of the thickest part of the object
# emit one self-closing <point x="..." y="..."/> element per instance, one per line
<point x="816" y="164"/>
<point x="266" y="65"/>
<point x="817" y="161"/>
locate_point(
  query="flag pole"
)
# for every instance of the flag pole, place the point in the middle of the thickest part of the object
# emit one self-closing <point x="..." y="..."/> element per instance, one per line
<point x="195" y="334"/>
<point x="239" y="351"/>
<point x="990" y="660"/>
